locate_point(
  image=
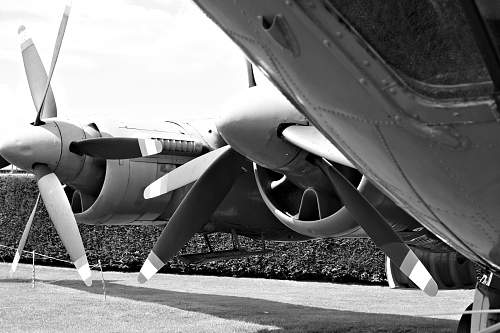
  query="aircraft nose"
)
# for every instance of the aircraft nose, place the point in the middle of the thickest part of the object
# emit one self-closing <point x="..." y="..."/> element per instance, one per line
<point x="24" y="146"/>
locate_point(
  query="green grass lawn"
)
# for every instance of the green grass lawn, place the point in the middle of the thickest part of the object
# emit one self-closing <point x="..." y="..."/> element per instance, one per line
<point x="174" y="303"/>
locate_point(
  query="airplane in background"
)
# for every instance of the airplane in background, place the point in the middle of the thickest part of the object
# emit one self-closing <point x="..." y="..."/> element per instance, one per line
<point x="262" y="171"/>
<point x="408" y="92"/>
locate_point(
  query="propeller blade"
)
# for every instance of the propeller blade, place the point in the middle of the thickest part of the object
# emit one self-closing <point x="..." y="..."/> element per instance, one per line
<point x="194" y="211"/>
<point x="116" y="148"/>
<point x="251" y="77"/>
<point x="3" y="162"/>
<point x="36" y="75"/>
<point x="377" y="228"/>
<point x="311" y="140"/>
<point x="55" y="55"/>
<point x="24" y="237"/>
<point x="62" y="217"/>
<point x="185" y="174"/>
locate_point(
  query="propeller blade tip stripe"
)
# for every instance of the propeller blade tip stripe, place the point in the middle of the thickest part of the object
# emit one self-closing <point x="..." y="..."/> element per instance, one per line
<point x="88" y="282"/>
<point x="150" y="147"/>
<point x="141" y="278"/>
<point x="24" y="39"/>
<point x="83" y="268"/>
<point x="151" y="191"/>
<point x="423" y="279"/>
<point x="409" y="264"/>
<point x="13" y="267"/>
<point x="67" y="10"/>
<point x="431" y="288"/>
<point x="155" y="189"/>
<point x="150" y="267"/>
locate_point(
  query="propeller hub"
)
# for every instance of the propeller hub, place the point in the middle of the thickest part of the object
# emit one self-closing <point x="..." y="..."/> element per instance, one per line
<point x="28" y="145"/>
<point x="250" y="123"/>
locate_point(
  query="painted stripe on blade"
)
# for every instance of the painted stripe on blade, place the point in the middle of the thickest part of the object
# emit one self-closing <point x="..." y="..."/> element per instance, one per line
<point x="421" y="277"/>
<point x="149" y="147"/>
<point x="24" y="39"/>
<point x="416" y="271"/>
<point x="67" y="9"/>
<point x="83" y="268"/>
<point x="150" y="267"/>
<point x="17" y="257"/>
<point x="408" y="263"/>
<point x="156" y="188"/>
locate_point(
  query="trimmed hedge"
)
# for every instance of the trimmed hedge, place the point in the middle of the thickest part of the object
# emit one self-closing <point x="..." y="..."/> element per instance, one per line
<point x="125" y="248"/>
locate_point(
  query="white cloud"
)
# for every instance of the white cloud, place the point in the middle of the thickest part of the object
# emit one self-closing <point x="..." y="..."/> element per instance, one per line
<point x="122" y="57"/>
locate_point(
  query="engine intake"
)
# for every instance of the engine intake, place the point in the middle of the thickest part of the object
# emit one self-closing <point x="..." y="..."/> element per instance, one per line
<point x="312" y="214"/>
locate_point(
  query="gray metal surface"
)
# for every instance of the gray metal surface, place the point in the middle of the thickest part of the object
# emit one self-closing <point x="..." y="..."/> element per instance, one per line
<point x="435" y="158"/>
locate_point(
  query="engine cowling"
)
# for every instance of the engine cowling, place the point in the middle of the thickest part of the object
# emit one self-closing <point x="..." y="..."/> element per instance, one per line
<point x="120" y="200"/>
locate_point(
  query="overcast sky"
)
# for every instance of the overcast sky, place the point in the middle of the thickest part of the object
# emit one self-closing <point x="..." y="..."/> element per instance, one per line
<point x="121" y="58"/>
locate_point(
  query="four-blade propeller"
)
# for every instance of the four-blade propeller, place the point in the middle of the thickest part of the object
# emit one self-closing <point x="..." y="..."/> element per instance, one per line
<point x="51" y="190"/>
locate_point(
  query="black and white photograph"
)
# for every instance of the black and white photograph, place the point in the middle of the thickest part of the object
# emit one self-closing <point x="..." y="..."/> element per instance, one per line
<point x="250" y="166"/>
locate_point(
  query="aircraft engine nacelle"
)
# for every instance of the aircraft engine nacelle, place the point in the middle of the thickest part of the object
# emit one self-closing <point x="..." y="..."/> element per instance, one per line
<point x="120" y="199"/>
